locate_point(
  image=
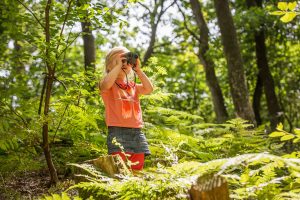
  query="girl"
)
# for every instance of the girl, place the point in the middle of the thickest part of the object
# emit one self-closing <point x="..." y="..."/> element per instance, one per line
<point x="123" y="113"/>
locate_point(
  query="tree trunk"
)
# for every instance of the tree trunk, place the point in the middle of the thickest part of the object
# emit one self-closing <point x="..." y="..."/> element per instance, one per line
<point x="237" y="78"/>
<point x="50" y="79"/>
<point x="89" y="47"/>
<point x="149" y="50"/>
<point x="264" y="72"/>
<point x="256" y="99"/>
<point x="267" y="79"/>
<point x="20" y="69"/>
<point x="210" y="75"/>
<point x="46" y="148"/>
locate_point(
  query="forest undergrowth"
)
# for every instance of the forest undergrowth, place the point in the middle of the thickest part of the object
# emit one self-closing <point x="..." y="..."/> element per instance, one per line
<point x="252" y="161"/>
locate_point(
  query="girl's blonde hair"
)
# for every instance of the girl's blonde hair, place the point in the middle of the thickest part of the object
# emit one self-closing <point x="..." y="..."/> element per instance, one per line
<point x="109" y="64"/>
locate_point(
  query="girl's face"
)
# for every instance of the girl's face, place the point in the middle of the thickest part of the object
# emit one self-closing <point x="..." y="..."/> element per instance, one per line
<point x="127" y="68"/>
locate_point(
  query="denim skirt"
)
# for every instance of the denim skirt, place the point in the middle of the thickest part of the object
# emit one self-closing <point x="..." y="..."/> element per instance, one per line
<point x="131" y="139"/>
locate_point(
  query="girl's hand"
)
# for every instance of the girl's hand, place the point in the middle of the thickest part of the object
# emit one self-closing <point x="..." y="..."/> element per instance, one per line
<point x="118" y="60"/>
<point x="137" y="67"/>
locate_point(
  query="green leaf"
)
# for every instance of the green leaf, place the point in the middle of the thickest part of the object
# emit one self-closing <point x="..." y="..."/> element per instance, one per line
<point x="56" y="197"/>
<point x="65" y="196"/>
<point x="228" y="136"/>
<point x="277" y="13"/>
<point x="244" y="178"/>
<point x="296" y="140"/>
<point x="277" y="134"/>
<point x="297" y="131"/>
<point x="289" y="16"/>
<point x="287" y="137"/>
<point x="3" y="145"/>
<point x="279" y="127"/>
<point x="85" y="7"/>
<point x="282" y="5"/>
<point x="292" y="5"/>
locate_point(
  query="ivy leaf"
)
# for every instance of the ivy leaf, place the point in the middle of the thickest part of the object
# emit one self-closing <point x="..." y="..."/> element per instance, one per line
<point x="282" y="5"/>
<point x="289" y="16"/>
<point x="277" y="134"/>
<point x="292" y="5"/>
<point x="287" y="137"/>
<point x="277" y="13"/>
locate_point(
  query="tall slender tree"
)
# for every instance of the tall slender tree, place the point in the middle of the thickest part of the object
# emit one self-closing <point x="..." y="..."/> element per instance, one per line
<point x="89" y="49"/>
<point x="211" y="78"/>
<point x="88" y="46"/>
<point x="258" y="92"/>
<point x="48" y="88"/>
<point x="154" y="16"/>
<point x="236" y="75"/>
<point x="88" y="40"/>
<point x="264" y="73"/>
<point x="51" y="53"/>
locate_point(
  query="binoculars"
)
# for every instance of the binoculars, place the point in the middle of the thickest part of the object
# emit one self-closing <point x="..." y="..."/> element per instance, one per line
<point x="131" y="58"/>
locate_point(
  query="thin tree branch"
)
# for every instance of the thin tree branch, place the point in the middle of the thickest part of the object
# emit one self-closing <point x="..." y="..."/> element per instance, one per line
<point x="23" y="120"/>
<point x="61" y="32"/>
<point x="186" y="26"/>
<point x="111" y="7"/>
<point x="42" y="95"/>
<point x="164" y="10"/>
<point x="65" y="20"/>
<point x="61" y="83"/>
<point x="175" y="1"/>
<point x="47" y="34"/>
<point x="144" y="6"/>
<point x="65" y="53"/>
<point x="60" y="121"/>
<point x="69" y="44"/>
<point x="32" y="14"/>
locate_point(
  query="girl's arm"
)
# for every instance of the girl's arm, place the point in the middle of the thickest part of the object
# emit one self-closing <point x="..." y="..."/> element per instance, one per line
<point x="108" y="81"/>
<point x="146" y="87"/>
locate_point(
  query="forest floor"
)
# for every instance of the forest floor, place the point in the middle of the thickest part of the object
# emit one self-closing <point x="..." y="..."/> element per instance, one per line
<point x="30" y="185"/>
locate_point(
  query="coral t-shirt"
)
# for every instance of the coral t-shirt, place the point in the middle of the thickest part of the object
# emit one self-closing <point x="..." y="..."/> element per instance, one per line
<point x="122" y="105"/>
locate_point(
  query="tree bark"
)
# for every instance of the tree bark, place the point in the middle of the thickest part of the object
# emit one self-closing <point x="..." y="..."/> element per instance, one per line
<point x="264" y="71"/>
<point x="256" y="99"/>
<point x="89" y="46"/>
<point x="237" y="78"/>
<point x="50" y="79"/>
<point x="20" y="66"/>
<point x="46" y="148"/>
<point x="210" y="75"/>
<point x="149" y="50"/>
